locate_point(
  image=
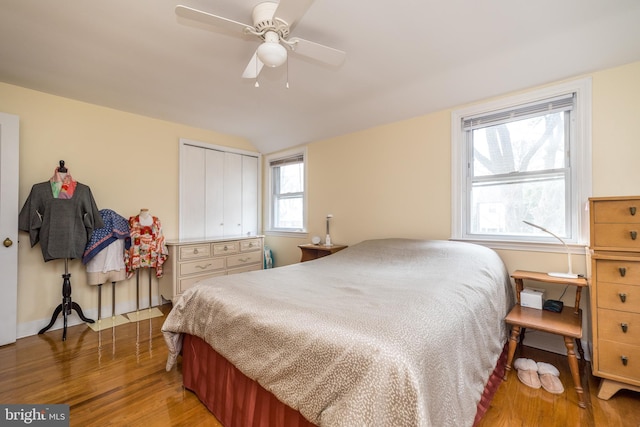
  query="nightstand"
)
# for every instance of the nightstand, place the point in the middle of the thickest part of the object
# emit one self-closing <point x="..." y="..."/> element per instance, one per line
<point x="311" y="251"/>
<point x="567" y="323"/>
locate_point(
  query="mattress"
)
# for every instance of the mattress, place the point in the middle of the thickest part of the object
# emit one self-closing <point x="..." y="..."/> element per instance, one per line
<point x="389" y="331"/>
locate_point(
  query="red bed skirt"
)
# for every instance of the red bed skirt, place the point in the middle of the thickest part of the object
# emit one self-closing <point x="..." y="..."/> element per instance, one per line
<point x="237" y="401"/>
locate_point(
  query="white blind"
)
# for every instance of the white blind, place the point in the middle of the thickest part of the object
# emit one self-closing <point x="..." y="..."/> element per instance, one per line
<point x="298" y="158"/>
<point x="547" y="106"/>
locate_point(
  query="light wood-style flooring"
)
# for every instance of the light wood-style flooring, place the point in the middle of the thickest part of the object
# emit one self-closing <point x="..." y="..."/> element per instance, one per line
<point x="117" y="377"/>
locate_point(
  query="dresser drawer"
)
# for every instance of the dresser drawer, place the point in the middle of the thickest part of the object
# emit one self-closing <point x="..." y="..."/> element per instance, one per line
<point x="618" y="271"/>
<point x="194" y="252"/>
<point x="245" y="268"/>
<point x="611" y="359"/>
<point x="616" y="211"/>
<point x="184" y="284"/>
<point x="619" y="236"/>
<point x="225" y="248"/>
<point x="202" y="266"/>
<point x="244" y="259"/>
<point x="616" y="296"/>
<point x="250" y="245"/>
<point x="619" y="326"/>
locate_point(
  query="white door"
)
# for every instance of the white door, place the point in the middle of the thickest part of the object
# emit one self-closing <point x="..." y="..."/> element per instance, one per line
<point x="9" y="128"/>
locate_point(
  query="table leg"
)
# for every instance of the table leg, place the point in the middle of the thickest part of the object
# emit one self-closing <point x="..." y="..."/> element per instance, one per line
<point x="575" y="373"/>
<point x="513" y="343"/>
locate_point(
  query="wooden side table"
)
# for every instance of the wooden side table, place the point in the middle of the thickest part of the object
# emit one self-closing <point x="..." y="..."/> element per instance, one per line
<point x="311" y="251"/>
<point x="567" y="323"/>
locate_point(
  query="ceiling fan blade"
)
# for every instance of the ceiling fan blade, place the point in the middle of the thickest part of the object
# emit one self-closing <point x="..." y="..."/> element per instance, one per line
<point x="319" y="52"/>
<point x="253" y="67"/>
<point x="210" y="19"/>
<point x="291" y="11"/>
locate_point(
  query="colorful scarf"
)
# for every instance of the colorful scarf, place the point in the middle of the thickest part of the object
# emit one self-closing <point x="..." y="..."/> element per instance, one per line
<point x="62" y="188"/>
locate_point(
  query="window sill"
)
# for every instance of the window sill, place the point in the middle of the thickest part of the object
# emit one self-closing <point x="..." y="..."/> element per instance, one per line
<point x="574" y="248"/>
<point x="281" y="233"/>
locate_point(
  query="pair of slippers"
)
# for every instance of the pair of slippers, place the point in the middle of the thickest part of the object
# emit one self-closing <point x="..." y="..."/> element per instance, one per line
<point x="538" y="375"/>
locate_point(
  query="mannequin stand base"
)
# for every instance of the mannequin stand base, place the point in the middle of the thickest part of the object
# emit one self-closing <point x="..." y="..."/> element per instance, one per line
<point x="108" y="323"/>
<point x="66" y="307"/>
<point x="145" y="313"/>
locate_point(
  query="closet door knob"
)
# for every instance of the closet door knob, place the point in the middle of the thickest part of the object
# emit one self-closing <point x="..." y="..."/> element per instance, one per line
<point x="622" y="271"/>
<point x="624" y="327"/>
<point x="625" y="360"/>
<point x="633" y="234"/>
<point x="7" y="242"/>
<point x="623" y="297"/>
<point x="632" y="210"/>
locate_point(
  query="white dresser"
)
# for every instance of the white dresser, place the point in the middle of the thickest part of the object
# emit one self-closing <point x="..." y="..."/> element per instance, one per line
<point x="191" y="261"/>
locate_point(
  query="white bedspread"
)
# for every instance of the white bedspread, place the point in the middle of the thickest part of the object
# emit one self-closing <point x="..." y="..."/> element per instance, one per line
<point x="390" y="332"/>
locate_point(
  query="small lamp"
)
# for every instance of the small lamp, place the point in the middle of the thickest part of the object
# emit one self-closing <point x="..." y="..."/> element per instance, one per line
<point x="570" y="274"/>
<point x="327" y="241"/>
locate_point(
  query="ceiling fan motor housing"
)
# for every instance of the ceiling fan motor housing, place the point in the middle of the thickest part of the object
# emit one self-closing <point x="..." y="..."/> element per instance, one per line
<point x="263" y="20"/>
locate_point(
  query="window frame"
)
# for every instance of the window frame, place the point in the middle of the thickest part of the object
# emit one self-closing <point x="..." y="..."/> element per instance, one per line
<point x="269" y="207"/>
<point x="580" y="164"/>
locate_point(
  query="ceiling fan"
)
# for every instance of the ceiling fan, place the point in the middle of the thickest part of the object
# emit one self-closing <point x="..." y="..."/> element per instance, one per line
<point x="272" y="23"/>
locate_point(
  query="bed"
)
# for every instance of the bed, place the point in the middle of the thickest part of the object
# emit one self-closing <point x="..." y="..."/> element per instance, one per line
<point x="386" y="332"/>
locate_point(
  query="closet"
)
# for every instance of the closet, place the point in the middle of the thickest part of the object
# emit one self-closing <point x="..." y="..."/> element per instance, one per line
<point x="218" y="191"/>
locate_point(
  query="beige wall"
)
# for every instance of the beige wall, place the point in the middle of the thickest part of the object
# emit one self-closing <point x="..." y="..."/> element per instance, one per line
<point x="129" y="162"/>
<point x="394" y="180"/>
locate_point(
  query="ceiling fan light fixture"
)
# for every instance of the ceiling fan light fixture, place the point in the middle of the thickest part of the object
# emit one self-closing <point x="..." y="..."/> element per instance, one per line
<point x="272" y="54"/>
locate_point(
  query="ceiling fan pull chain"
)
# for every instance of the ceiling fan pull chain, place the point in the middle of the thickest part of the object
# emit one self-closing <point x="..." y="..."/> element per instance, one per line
<point x="257" y="84"/>
<point x="287" y="85"/>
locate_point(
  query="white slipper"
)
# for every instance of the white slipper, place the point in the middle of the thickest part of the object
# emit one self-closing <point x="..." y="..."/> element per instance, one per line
<point x="550" y="378"/>
<point x="527" y="372"/>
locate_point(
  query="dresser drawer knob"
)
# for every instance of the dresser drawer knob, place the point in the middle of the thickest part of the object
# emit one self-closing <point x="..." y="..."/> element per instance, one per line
<point x="624" y="327"/>
<point x="632" y="210"/>
<point x="623" y="271"/>
<point x="633" y="234"/>
<point x="203" y="267"/>
<point x="625" y="360"/>
<point x="623" y="297"/>
<point x="195" y="251"/>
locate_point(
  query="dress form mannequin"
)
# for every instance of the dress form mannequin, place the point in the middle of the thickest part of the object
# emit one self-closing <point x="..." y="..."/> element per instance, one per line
<point x="148" y="250"/>
<point x="145" y="217"/>
<point x="60" y="214"/>
<point x="104" y="257"/>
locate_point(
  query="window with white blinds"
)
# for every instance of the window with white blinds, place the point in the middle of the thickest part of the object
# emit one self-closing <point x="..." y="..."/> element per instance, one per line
<point x="287" y="198"/>
<point x="526" y="158"/>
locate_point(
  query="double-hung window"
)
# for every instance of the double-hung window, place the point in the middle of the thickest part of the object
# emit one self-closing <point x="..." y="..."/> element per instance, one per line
<point x="287" y="193"/>
<point x="525" y="158"/>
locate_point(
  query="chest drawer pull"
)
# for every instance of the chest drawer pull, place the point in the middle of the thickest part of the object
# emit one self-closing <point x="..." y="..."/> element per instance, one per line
<point x="195" y="251"/>
<point x="624" y="327"/>
<point x="625" y="360"/>
<point x="202" y="267"/>
<point x="633" y="234"/>
<point x="622" y="271"/>
<point x="632" y="210"/>
<point x="623" y="297"/>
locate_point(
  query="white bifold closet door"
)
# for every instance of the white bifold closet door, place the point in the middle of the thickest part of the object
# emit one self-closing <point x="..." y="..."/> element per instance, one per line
<point x="218" y="193"/>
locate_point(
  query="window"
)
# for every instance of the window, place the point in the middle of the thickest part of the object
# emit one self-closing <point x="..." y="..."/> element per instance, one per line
<point x="524" y="158"/>
<point x="287" y="204"/>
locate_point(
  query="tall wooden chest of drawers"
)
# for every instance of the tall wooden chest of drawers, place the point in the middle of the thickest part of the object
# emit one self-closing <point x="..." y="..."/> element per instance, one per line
<point x="615" y="292"/>
<point x="191" y="261"/>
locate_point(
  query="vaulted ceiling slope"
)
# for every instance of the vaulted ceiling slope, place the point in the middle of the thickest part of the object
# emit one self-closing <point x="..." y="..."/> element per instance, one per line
<point x="404" y="59"/>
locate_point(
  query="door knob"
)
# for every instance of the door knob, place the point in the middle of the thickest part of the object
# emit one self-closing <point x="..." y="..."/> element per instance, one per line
<point x="7" y="242"/>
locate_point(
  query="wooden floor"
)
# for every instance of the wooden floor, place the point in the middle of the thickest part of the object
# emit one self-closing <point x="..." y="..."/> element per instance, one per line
<point x="117" y="377"/>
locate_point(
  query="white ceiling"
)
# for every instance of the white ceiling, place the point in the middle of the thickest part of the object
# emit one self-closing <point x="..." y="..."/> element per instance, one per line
<point x="404" y="59"/>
